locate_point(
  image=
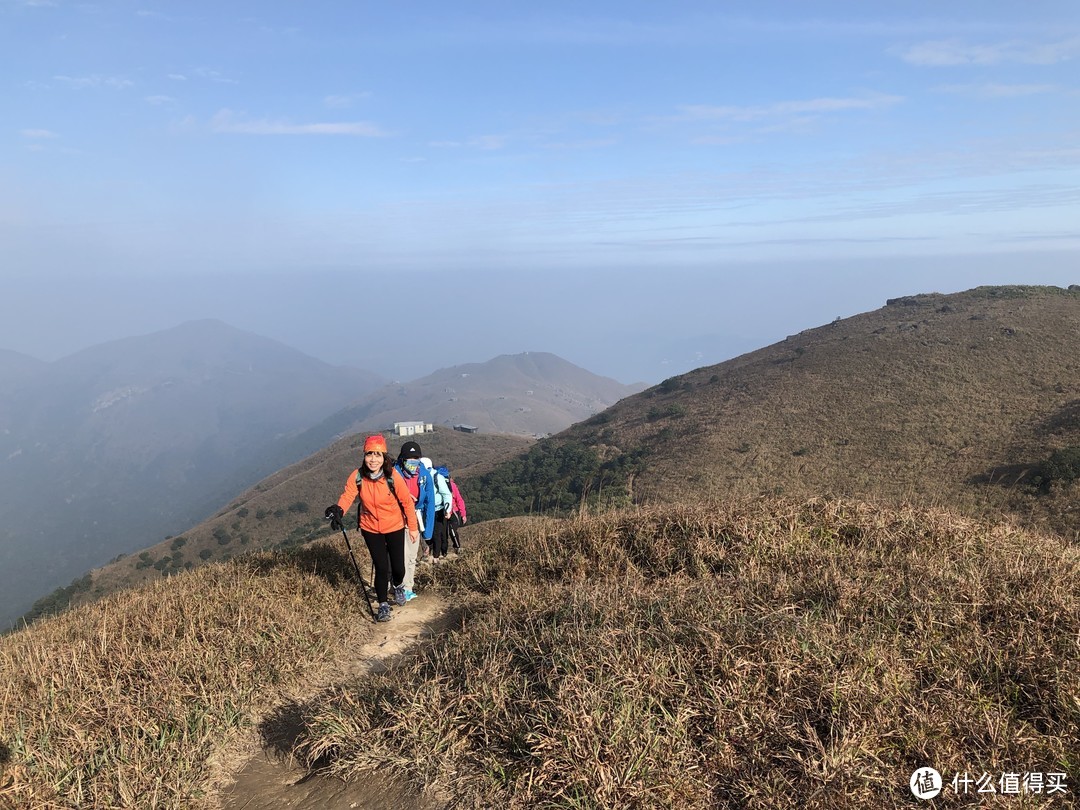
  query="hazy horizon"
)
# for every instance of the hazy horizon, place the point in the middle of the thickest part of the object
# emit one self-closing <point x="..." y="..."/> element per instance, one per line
<point x="705" y="319"/>
<point x="640" y="189"/>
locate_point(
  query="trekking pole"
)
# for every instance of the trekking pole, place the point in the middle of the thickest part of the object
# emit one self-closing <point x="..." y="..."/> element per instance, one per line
<point x="359" y="576"/>
<point x="455" y="541"/>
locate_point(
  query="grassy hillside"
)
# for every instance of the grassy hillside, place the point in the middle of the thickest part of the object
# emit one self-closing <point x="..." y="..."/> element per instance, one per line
<point x="282" y="511"/>
<point x="742" y="632"/>
<point x="767" y="654"/>
<point x="957" y="399"/>
<point x="123" y="703"/>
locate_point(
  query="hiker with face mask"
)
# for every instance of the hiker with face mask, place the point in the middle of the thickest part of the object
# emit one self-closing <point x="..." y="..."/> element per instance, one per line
<point x="385" y="512"/>
<point x="420" y="485"/>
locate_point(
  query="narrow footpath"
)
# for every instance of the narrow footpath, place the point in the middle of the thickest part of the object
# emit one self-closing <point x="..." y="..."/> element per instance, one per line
<point x="266" y="776"/>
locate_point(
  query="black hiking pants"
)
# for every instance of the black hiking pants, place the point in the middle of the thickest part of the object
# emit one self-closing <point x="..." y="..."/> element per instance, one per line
<point x="388" y="556"/>
<point x="438" y="535"/>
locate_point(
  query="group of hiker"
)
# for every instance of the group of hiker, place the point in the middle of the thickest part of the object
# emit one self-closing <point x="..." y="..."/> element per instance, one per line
<point x="401" y="502"/>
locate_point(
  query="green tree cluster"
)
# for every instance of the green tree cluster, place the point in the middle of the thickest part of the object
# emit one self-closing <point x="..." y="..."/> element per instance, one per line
<point x="56" y="601"/>
<point x="1063" y="464"/>
<point x="552" y="477"/>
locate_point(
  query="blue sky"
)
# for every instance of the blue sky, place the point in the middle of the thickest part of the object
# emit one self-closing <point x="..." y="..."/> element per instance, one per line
<point x="639" y="187"/>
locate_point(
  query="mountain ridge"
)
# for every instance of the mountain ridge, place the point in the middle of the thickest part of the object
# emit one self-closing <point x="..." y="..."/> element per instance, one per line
<point x="956" y="398"/>
<point x="538" y="383"/>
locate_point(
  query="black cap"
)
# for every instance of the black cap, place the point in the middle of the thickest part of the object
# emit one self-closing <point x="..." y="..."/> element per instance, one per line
<point x="410" y="450"/>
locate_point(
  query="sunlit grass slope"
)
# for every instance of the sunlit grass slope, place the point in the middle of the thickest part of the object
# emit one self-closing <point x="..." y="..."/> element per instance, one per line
<point x="956" y="400"/>
<point x="123" y="703"/>
<point x="767" y="654"/>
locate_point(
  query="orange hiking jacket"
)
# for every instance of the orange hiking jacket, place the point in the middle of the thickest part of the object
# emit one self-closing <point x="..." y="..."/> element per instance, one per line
<point x="380" y="512"/>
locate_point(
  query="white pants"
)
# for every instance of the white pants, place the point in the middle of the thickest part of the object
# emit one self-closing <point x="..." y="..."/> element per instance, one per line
<point x="410" y="559"/>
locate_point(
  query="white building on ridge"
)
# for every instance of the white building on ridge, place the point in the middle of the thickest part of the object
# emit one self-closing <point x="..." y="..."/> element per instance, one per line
<point x="413" y="428"/>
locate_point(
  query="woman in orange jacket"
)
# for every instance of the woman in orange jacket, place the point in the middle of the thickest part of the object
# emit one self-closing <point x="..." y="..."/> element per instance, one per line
<point x="386" y="510"/>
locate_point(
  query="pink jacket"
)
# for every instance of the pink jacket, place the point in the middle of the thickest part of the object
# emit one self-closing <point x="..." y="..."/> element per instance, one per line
<point x="459" y="502"/>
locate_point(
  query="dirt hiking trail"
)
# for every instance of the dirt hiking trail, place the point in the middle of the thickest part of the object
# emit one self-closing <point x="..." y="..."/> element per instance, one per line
<point x="266" y="776"/>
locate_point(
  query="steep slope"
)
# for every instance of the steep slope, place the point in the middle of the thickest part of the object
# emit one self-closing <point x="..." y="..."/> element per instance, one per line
<point x="956" y="399"/>
<point x="135" y="438"/>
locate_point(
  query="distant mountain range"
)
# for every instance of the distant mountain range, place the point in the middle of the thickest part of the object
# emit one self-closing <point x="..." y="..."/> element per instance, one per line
<point x="108" y="450"/>
<point x="530" y="394"/>
<point x="119" y="444"/>
<point x="969" y="401"/>
<point x="14" y="365"/>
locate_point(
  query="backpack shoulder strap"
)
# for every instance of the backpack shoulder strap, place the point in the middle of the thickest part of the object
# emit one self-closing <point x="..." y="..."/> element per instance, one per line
<point x="393" y="494"/>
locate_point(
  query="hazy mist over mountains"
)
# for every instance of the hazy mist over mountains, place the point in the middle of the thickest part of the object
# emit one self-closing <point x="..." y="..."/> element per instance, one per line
<point x="108" y="450"/>
<point x="533" y="393"/>
<point x="121" y="443"/>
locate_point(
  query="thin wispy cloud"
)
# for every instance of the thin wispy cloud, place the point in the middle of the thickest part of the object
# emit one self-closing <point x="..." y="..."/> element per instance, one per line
<point x="1049" y="236"/>
<point x="160" y="100"/>
<point x="587" y="143"/>
<point x="38" y="134"/>
<point x="177" y="77"/>
<point x="341" y="102"/>
<point x="213" y="76"/>
<point x="955" y="203"/>
<point x="992" y="91"/>
<point x="955" y="52"/>
<point x="712" y="242"/>
<point x="228" y="122"/>
<point x="786" y="109"/>
<point x="589" y="29"/>
<point x="487" y="143"/>
<point x="94" y="81"/>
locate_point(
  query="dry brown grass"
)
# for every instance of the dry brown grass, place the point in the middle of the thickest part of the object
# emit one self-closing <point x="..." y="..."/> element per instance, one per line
<point x="122" y="703"/>
<point x="769" y="654"/>
<point x="947" y="400"/>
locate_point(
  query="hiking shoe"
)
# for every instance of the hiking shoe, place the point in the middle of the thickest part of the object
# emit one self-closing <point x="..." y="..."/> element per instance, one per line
<point x="384" y="612"/>
<point x="410" y="595"/>
<point x="399" y="596"/>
